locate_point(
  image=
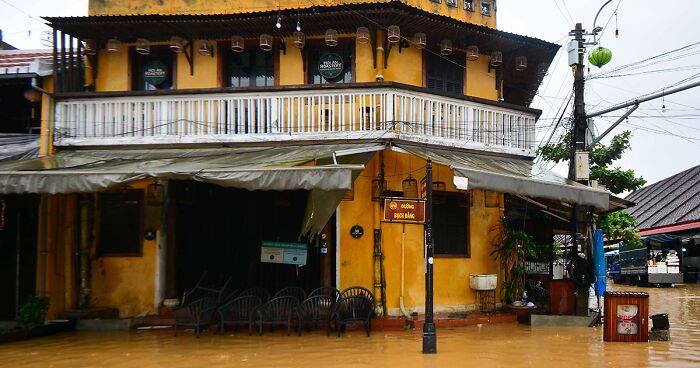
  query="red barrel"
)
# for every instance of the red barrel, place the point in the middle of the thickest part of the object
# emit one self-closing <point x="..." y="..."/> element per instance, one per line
<point x="626" y="315"/>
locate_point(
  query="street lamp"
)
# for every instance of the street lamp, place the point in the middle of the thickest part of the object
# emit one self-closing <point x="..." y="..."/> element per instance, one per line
<point x="429" y="333"/>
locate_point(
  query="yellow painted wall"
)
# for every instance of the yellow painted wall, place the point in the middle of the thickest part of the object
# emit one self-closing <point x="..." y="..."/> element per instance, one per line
<point x="113" y="71"/>
<point x="364" y="63"/>
<point x="451" y="274"/>
<point x="205" y="70"/>
<point x="405" y="67"/>
<point x="481" y="82"/>
<point x="122" y="7"/>
<point x="46" y="117"/>
<point x="291" y="67"/>
<point x="127" y="283"/>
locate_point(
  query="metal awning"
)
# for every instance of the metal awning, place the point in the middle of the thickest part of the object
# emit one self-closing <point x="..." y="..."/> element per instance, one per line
<point x="511" y="175"/>
<point x="260" y="168"/>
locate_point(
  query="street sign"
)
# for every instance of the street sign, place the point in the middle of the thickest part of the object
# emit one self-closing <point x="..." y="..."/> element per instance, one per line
<point x="404" y="210"/>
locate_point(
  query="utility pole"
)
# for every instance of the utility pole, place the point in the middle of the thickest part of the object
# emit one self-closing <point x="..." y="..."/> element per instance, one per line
<point x="578" y="137"/>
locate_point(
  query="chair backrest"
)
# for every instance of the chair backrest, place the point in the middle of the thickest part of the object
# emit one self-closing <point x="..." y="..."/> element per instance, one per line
<point x="279" y="308"/>
<point x="354" y="307"/>
<point x="294" y="291"/>
<point x="202" y="308"/>
<point x="358" y="290"/>
<point x="240" y="308"/>
<point x="317" y="307"/>
<point x="329" y="291"/>
<point x="262" y="293"/>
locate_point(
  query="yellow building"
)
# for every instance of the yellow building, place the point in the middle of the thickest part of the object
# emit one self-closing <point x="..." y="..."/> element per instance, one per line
<point x="192" y="136"/>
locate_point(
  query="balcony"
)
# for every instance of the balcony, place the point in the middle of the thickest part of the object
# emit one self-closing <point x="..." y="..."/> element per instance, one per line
<point x="360" y="112"/>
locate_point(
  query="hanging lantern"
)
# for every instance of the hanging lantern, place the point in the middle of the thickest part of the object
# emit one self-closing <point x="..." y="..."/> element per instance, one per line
<point x="206" y="49"/>
<point x="410" y="187"/>
<point x="378" y="188"/>
<point x="237" y="43"/>
<point x="142" y="46"/>
<point x="89" y="47"/>
<point x="362" y="35"/>
<point x="520" y="63"/>
<point x="419" y="39"/>
<point x="114" y="46"/>
<point x="446" y="47"/>
<point x="331" y="37"/>
<point x="265" y="42"/>
<point x="496" y="59"/>
<point x="299" y="39"/>
<point x="393" y="34"/>
<point x="600" y="56"/>
<point x="177" y="44"/>
<point x="472" y="53"/>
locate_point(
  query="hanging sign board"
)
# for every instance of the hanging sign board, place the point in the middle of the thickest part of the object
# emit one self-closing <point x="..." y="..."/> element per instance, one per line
<point x="155" y="72"/>
<point x="404" y="210"/>
<point x="281" y="252"/>
<point x="330" y="66"/>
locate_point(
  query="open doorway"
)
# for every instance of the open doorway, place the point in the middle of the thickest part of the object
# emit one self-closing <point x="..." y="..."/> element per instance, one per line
<point x="220" y="230"/>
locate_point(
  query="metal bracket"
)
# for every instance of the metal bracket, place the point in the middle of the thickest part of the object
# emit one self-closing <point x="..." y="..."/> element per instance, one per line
<point x="189" y="55"/>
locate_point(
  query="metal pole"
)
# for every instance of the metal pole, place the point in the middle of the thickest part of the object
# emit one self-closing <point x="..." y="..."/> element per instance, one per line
<point x="628" y="113"/>
<point x="429" y="333"/>
<point x="644" y="99"/>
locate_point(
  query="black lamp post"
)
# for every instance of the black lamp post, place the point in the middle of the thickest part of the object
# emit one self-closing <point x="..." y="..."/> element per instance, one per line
<point x="429" y="334"/>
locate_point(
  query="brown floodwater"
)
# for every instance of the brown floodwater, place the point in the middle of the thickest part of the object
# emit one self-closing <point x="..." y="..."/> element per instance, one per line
<point x="500" y="345"/>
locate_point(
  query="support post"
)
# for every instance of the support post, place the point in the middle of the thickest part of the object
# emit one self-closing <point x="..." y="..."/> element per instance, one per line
<point x="429" y="333"/>
<point x="84" y="253"/>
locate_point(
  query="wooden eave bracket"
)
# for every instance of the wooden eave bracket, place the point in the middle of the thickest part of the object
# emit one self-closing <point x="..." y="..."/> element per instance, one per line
<point x="188" y="50"/>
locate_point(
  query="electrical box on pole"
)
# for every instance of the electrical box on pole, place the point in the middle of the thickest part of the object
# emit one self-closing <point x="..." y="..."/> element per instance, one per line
<point x="572" y="50"/>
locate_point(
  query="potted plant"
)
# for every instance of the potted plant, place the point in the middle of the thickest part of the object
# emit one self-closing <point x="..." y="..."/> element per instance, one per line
<point x="512" y="250"/>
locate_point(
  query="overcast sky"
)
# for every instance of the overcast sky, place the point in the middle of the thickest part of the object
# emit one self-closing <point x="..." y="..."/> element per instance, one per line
<point x="665" y="141"/>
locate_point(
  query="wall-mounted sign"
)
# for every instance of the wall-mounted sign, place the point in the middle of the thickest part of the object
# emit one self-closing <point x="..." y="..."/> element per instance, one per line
<point x="330" y="66"/>
<point x="627" y="319"/>
<point x="155" y="72"/>
<point x="281" y="252"/>
<point x="403" y="210"/>
<point x="357" y="231"/>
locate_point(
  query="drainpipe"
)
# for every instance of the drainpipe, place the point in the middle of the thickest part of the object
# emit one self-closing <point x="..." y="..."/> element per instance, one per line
<point x="403" y="242"/>
<point x="162" y="249"/>
<point x="49" y="122"/>
<point x="84" y="253"/>
<point x="380" y="56"/>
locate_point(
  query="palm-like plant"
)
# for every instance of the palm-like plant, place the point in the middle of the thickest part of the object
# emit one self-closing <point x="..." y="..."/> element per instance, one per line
<point x="513" y="249"/>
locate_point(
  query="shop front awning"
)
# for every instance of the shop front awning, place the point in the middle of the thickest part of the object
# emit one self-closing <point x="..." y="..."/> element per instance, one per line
<point x="511" y="175"/>
<point x="260" y="168"/>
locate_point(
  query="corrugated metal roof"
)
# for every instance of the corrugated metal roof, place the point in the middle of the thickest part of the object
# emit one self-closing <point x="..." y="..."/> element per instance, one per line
<point x="671" y="201"/>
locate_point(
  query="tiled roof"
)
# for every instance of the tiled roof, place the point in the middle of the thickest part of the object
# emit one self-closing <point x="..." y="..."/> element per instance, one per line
<point x="671" y="201"/>
<point x="19" y="61"/>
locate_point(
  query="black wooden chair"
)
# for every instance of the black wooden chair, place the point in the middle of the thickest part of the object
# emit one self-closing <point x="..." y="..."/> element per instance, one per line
<point x="277" y="311"/>
<point x="315" y="310"/>
<point x="238" y="311"/>
<point x="197" y="314"/>
<point x="200" y="290"/>
<point x="353" y="308"/>
<point x="358" y="290"/>
<point x="294" y="291"/>
<point x="260" y="292"/>
<point x="329" y="291"/>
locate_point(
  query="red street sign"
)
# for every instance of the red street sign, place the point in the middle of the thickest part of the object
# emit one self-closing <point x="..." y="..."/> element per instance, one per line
<point x="403" y="210"/>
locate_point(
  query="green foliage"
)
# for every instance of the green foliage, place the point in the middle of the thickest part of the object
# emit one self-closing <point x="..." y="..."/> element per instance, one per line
<point x="514" y="248"/>
<point x="620" y="225"/>
<point x="615" y="179"/>
<point x="31" y="314"/>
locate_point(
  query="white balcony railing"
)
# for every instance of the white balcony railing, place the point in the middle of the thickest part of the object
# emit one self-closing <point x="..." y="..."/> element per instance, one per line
<point x="280" y="115"/>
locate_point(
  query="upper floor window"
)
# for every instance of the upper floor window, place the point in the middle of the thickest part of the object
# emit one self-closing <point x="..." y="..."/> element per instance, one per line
<point x="486" y="7"/>
<point x="452" y="3"/>
<point x="444" y="74"/>
<point x="469" y="5"/>
<point x="330" y="64"/>
<point x="153" y="71"/>
<point x="451" y="224"/>
<point x="253" y="68"/>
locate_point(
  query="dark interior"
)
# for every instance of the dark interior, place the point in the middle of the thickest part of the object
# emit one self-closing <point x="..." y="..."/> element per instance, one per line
<point x="220" y="230"/>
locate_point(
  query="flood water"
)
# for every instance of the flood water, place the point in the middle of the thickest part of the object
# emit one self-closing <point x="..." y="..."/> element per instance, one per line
<point x="500" y="345"/>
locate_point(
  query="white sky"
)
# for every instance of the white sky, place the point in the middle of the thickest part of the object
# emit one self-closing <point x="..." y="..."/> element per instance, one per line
<point x="663" y="143"/>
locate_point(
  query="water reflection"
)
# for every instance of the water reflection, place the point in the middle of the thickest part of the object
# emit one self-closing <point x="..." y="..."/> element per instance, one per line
<point x="505" y="345"/>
